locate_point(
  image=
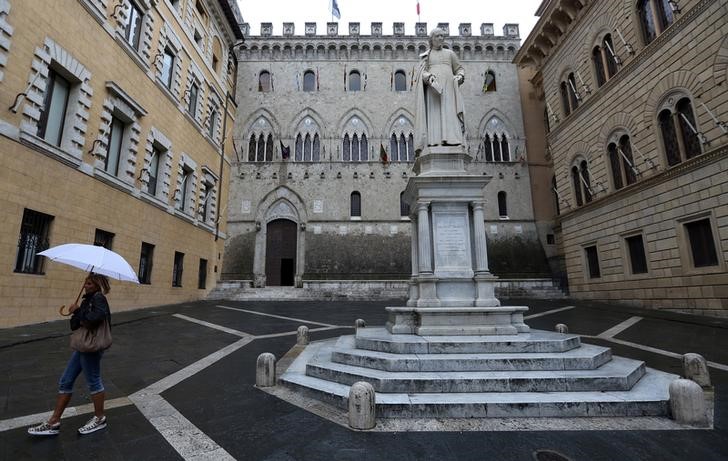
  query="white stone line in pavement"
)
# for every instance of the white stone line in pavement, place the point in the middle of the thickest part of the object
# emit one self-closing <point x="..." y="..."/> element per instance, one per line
<point x="617" y="329"/>
<point x="552" y="311"/>
<point x="212" y="325"/>
<point x="674" y="355"/>
<point x="276" y="316"/>
<point x="189" y="441"/>
<point x="28" y="420"/>
<point x="291" y="333"/>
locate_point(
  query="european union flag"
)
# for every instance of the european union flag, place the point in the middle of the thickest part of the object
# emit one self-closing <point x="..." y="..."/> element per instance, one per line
<point x="334" y="7"/>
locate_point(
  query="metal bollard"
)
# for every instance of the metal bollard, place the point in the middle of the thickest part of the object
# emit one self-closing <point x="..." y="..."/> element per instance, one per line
<point x="361" y="406"/>
<point x="265" y="370"/>
<point x="302" y="335"/>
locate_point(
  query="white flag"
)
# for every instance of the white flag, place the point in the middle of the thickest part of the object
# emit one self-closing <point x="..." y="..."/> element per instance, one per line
<point x="334" y="8"/>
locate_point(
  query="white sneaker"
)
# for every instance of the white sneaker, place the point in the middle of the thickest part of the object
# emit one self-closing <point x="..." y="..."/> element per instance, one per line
<point x="45" y="429"/>
<point x="93" y="425"/>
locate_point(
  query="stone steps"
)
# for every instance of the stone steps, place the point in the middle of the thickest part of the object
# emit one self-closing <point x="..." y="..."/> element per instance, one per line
<point x="380" y="340"/>
<point x="648" y="397"/>
<point x="619" y="374"/>
<point x="586" y="357"/>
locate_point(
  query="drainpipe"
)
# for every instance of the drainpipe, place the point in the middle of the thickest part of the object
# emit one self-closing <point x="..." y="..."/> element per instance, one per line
<point x="228" y="98"/>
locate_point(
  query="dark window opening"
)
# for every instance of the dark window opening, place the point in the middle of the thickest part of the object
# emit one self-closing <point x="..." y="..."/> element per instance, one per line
<point x="146" y="258"/>
<point x="33" y="238"/>
<point x="202" y="274"/>
<point x="702" y="245"/>
<point x="592" y="259"/>
<point x="637" y="258"/>
<point x="177" y="269"/>
<point x="104" y="239"/>
<point x="355" y="204"/>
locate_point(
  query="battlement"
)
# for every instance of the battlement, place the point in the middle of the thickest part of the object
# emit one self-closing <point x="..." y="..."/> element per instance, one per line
<point x="465" y="30"/>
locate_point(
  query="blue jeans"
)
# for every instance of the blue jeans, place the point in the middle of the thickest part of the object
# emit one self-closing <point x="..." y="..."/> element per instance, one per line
<point x="90" y="363"/>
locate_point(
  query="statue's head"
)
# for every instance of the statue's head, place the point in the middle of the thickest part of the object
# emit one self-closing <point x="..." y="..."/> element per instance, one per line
<point x="436" y="31"/>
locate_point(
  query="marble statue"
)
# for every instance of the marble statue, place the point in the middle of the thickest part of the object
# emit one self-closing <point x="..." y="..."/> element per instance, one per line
<point x="439" y="107"/>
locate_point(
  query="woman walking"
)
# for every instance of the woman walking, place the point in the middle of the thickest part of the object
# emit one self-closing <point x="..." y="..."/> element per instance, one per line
<point x="91" y="315"/>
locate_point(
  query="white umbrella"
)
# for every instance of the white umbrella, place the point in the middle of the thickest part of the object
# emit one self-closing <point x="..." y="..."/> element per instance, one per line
<point x="92" y="258"/>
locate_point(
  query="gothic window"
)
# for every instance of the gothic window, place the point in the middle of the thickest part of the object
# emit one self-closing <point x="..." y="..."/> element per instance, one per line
<point x="679" y="131"/>
<point x="264" y="82"/>
<point x="655" y="16"/>
<point x="565" y="98"/>
<point x="581" y="182"/>
<point x="309" y="81"/>
<point x="400" y="81"/>
<point x="346" y="148"/>
<point x="610" y="56"/>
<point x="307" y="141"/>
<point x="355" y="205"/>
<point x="597" y="59"/>
<point x="261" y="145"/>
<point x="489" y="82"/>
<point x="401" y="141"/>
<point x="354" y="80"/>
<point x="355" y="144"/>
<point x="573" y="95"/>
<point x="495" y="143"/>
<point x="621" y="162"/>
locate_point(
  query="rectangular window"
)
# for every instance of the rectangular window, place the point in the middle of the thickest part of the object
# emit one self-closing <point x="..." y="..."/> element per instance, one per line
<point x="184" y="189"/>
<point x="177" y="269"/>
<point x="592" y="260"/>
<point x="113" y="153"/>
<point x="53" y="116"/>
<point x="192" y="106"/>
<point x="103" y="238"/>
<point x="637" y="258"/>
<point x="146" y="258"/>
<point x="702" y="244"/>
<point x="202" y="274"/>
<point x="205" y="206"/>
<point x="213" y="123"/>
<point x="133" y="31"/>
<point x="167" y="67"/>
<point x="550" y="240"/>
<point x="153" y="171"/>
<point x="33" y="238"/>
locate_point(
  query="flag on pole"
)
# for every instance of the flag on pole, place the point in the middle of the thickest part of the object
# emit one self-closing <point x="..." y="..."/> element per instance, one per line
<point x="418" y="7"/>
<point x="285" y="151"/>
<point x="334" y="8"/>
<point x="383" y="154"/>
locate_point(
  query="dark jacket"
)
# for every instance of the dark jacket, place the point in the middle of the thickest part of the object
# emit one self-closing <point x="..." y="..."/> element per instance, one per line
<point x="92" y="311"/>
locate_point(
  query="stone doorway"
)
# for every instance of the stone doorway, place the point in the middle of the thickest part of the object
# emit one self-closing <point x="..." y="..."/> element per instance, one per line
<point x="280" y="252"/>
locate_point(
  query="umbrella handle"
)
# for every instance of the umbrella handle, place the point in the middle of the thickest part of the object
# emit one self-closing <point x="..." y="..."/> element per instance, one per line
<point x="60" y="309"/>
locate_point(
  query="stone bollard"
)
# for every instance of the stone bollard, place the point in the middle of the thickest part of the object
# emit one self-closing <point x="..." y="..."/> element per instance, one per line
<point x="360" y="323"/>
<point x="561" y="328"/>
<point x="696" y="368"/>
<point x="361" y="406"/>
<point x="302" y="336"/>
<point x="687" y="403"/>
<point x="265" y="370"/>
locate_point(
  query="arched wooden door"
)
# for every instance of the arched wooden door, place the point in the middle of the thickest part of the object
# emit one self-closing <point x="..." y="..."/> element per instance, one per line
<point x="280" y="253"/>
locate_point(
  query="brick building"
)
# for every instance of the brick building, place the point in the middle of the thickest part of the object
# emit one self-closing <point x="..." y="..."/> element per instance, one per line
<point x="635" y="103"/>
<point x="111" y="132"/>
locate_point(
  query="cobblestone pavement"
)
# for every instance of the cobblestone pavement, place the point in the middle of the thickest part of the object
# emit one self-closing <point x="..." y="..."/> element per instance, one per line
<point x="179" y="382"/>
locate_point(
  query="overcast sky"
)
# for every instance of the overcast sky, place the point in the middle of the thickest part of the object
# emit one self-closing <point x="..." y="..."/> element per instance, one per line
<point x="498" y="12"/>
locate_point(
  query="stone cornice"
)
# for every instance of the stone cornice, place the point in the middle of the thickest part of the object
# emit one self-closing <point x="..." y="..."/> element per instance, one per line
<point x="625" y="72"/>
<point x="688" y="166"/>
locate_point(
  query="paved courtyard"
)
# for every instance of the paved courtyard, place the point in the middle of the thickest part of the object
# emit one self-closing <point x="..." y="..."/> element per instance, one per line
<point x="180" y="385"/>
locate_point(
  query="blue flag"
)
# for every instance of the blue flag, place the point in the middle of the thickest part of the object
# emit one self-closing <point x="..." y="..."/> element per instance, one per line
<point x="334" y="7"/>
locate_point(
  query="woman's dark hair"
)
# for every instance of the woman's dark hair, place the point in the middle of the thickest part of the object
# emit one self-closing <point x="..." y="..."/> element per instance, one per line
<point x="100" y="281"/>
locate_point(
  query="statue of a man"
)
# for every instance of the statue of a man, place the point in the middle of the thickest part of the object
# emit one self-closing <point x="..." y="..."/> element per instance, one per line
<point x="439" y="117"/>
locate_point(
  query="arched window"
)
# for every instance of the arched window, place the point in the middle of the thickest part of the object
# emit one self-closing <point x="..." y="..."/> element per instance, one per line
<point x="610" y="56"/>
<point x="581" y="182"/>
<point x="264" y="81"/>
<point x="404" y="208"/>
<point x="346" y="148"/>
<point x="569" y="96"/>
<point x="489" y="82"/>
<point x="354" y="80"/>
<point x="565" y="98"/>
<point x="309" y="81"/>
<point x="401" y="141"/>
<point x="655" y="16"/>
<point x="355" y="144"/>
<point x="269" y="148"/>
<point x="299" y="148"/>
<point x="488" y="148"/>
<point x="308" y="142"/>
<point x="598" y="61"/>
<point x="495" y="142"/>
<point x="260" y="144"/>
<point x="400" y="81"/>
<point x="679" y="131"/>
<point x="621" y="162"/>
<point x="502" y="205"/>
<point x="355" y="204"/>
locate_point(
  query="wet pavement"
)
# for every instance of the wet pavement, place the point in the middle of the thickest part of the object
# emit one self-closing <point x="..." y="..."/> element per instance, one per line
<point x="182" y="387"/>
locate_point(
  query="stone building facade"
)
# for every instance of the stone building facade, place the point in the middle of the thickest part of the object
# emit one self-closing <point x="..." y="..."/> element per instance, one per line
<point x="324" y="152"/>
<point x="636" y="102"/>
<point x="111" y="132"/>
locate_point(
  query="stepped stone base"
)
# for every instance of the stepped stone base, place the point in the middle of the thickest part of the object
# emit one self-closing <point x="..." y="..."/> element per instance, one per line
<point x="534" y="374"/>
<point x="431" y="321"/>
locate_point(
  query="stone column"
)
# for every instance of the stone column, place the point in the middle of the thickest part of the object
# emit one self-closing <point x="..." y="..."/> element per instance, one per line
<point x="424" y="240"/>
<point x="413" y="291"/>
<point x="481" y="246"/>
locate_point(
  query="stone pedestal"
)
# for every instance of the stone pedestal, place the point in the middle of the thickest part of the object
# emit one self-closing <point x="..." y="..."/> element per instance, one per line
<point x="453" y="291"/>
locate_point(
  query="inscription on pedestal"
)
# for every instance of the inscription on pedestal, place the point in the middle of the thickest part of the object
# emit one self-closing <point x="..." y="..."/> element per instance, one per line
<point x="451" y="242"/>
